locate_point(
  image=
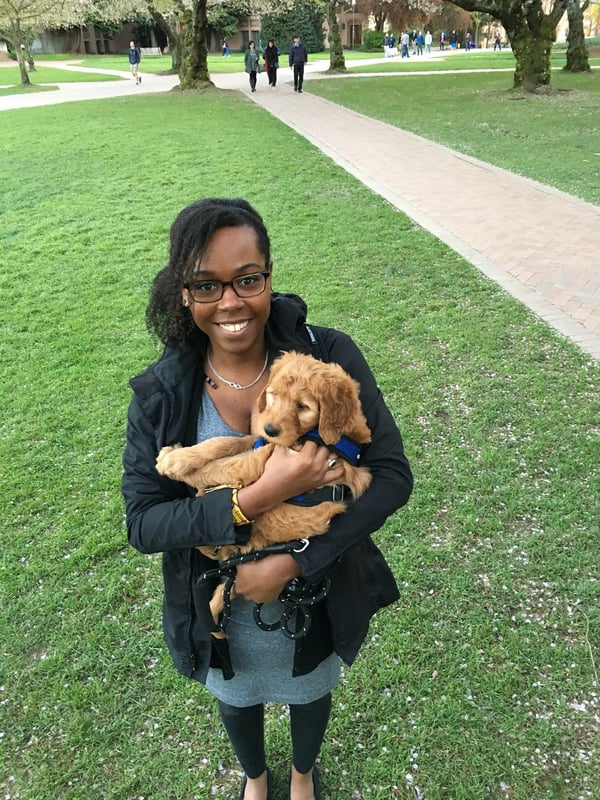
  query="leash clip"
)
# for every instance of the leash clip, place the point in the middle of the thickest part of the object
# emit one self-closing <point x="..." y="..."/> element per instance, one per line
<point x="304" y="544"/>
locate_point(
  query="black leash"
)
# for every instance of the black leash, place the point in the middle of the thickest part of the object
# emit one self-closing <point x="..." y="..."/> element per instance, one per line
<point x="297" y="598"/>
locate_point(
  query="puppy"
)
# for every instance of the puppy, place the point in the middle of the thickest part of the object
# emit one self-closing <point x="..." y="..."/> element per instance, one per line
<point x="304" y="396"/>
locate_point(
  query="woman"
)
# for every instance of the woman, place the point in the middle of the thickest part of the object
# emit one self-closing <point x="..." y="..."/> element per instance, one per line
<point x="213" y="308"/>
<point x="251" y="61"/>
<point x="271" y="56"/>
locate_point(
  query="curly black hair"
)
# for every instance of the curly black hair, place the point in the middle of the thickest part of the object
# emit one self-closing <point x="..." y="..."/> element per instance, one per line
<point x="166" y="317"/>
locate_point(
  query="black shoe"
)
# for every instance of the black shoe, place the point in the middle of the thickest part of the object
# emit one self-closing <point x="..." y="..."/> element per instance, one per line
<point x="269" y="786"/>
<point x="299" y="90"/>
<point x="316" y="783"/>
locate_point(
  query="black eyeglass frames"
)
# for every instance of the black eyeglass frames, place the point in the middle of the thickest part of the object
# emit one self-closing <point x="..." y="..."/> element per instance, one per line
<point x="209" y="291"/>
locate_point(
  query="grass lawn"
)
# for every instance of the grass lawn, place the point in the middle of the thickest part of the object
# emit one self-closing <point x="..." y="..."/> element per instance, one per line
<point x="474" y="59"/>
<point x="10" y="78"/>
<point x="480" y="683"/>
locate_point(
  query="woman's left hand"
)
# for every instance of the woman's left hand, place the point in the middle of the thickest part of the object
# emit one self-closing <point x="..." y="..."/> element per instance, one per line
<point x="262" y="581"/>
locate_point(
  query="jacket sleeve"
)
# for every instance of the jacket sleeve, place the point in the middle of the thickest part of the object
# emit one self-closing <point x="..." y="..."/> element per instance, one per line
<point x="161" y="514"/>
<point x="384" y="456"/>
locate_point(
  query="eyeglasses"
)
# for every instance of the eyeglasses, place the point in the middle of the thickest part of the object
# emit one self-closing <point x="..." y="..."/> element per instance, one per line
<point x="244" y="286"/>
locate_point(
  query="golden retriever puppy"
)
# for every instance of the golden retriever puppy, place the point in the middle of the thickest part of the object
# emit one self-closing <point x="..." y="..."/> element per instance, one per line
<point x="304" y="396"/>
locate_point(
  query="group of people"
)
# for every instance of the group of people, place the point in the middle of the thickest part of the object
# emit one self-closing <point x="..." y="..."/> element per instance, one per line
<point x="421" y="43"/>
<point x="298" y="57"/>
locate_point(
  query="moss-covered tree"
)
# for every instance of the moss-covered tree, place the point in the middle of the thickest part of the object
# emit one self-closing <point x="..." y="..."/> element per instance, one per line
<point x="577" y="53"/>
<point x="531" y="30"/>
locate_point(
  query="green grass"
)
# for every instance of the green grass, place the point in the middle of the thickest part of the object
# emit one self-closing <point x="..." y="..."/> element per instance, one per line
<point x="552" y="138"/>
<point x="480" y="683"/>
<point x="448" y="61"/>
<point x="10" y="78"/>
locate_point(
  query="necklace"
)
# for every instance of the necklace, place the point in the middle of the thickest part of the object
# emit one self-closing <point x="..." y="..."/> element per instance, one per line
<point x="238" y="385"/>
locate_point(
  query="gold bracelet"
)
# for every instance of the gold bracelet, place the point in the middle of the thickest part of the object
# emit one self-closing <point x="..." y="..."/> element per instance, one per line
<point x="239" y="518"/>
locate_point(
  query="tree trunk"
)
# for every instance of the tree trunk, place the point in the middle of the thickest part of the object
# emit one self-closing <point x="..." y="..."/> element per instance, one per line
<point x="577" y="52"/>
<point x="173" y="38"/>
<point x="30" y="61"/>
<point x="531" y="32"/>
<point x="532" y="50"/>
<point x="193" y="69"/>
<point x="15" y="30"/>
<point x="337" y="62"/>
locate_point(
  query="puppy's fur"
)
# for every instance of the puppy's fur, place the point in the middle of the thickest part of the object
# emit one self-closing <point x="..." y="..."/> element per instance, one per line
<point x="303" y="393"/>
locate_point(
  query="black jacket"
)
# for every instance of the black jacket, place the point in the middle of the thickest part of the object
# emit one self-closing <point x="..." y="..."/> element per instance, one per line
<point x="298" y="54"/>
<point x="164" y="516"/>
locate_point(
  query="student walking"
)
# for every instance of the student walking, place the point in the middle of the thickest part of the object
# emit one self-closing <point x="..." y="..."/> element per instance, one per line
<point x="135" y="57"/>
<point x="251" y="63"/>
<point x="271" y="58"/>
<point x="298" y="58"/>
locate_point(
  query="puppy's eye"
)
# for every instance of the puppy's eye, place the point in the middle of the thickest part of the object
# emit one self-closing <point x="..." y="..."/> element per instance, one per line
<point x="301" y="406"/>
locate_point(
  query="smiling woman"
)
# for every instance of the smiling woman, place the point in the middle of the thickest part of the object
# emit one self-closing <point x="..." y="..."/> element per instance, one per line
<point x="213" y="308"/>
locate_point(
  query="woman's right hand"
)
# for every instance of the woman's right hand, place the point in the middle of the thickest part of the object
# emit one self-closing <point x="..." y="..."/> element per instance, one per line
<point x="289" y="473"/>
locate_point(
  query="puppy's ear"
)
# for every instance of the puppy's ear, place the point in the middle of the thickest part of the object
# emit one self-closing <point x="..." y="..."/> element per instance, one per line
<point x="340" y="409"/>
<point x="262" y="400"/>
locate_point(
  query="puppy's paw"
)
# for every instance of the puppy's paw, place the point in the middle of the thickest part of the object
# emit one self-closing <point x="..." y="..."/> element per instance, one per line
<point x="167" y="460"/>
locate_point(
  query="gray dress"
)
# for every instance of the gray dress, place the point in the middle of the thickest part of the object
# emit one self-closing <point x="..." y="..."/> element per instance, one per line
<point x="261" y="660"/>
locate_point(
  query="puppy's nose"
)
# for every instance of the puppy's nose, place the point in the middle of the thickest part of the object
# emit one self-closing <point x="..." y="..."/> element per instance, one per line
<point x="271" y="430"/>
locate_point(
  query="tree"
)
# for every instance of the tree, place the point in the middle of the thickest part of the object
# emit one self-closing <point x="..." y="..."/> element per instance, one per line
<point x="193" y="68"/>
<point x="531" y="31"/>
<point x="337" y="62"/>
<point x="224" y="17"/>
<point x="577" y="52"/>
<point x="19" y="18"/>
<point x="304" y="17"/>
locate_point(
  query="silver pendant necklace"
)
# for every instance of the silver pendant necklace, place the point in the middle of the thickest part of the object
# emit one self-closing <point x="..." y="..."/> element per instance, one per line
<point x="234" y="385"/>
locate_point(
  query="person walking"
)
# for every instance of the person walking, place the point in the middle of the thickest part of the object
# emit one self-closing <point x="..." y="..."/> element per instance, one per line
<point x="298" y="58"/>
<point x="428" y="41"/>
<point x="497" y="42"/>
<point x="214" y="309"/>
<point x="404" y="40"/>
<point x="225" y="48"/>
<point x="251" y="63"/>
<point x="420" y="43"/>
<point x="135" y="57"/>
<point x="271" y="59"/>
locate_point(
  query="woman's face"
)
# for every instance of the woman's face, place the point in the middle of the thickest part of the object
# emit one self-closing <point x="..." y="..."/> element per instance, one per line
<point x="233" y="324"/>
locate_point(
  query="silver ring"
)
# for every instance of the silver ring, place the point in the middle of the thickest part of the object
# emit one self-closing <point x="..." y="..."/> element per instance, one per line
<point x="331" y="462"/>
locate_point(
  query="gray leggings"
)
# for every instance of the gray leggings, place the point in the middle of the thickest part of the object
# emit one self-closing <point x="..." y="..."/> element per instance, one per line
<point x="246" y="731"/>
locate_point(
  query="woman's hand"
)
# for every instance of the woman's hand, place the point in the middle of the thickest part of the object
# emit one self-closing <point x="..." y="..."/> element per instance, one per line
<point x="262" y="581"/>
<point x="288" y="473"/>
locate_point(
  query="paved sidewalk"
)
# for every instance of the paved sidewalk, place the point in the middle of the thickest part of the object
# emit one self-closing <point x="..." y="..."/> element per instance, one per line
<point x="541" y="245"/>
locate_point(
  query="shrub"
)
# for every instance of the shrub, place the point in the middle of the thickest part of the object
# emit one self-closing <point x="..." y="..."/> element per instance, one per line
<point x="372" y="40"/>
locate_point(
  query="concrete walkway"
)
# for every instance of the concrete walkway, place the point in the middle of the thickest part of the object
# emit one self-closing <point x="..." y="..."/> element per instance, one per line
<point x="539" y="244"/>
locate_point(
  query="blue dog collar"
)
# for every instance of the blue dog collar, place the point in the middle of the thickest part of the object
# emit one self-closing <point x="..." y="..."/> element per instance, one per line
<point x="345" y="447"/>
